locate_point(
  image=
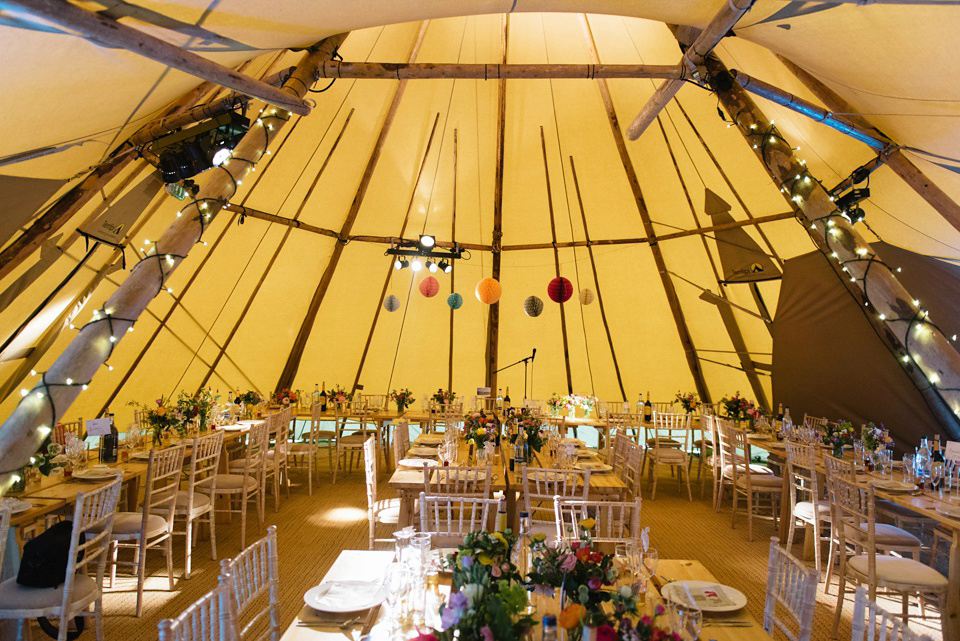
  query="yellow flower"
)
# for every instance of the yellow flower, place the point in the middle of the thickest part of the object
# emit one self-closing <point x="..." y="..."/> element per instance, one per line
<point x="571" y="615"/>
<point x="538" y="537"/>
<point x="161" y="411"/>
<point x="485" y="558"/>
<point x="498" y="536"/>
<point x="587" y="524"/>
<point x="481" y="431"/>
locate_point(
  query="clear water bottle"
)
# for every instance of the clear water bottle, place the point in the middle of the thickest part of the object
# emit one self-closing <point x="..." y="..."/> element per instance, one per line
<point x="923" y="461"/>
<point x="521" y="549"/>
<point x="786" y="425"/>
<point x="549" y="628"/>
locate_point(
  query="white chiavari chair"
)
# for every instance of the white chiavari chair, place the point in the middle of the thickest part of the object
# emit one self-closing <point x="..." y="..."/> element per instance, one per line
<point x="853" y="513"/>
<point x="378" y="510"/>
<point x="806" y="503"/>
<point x="351" y="433"/>
<point x="67" y="427"/>
<point x="197" y="500"/>
<point x="305" y="453"/>
<point x="709" y="431"/>
<point x="245" y="483"/>
<point x="92" y="516"/>
<point x="614" y="521"/>
<point x="618" y="454"/>
<point x="759" y="490"/>
<point x="791" y="588"/>
<point x="650" y="433"/>
<point x="152" y="526"/>
<point x="458" y="481"/>
<point x="668" y="447"/>
<point x="212" y="617"/>
<point x="873" y="623"/>
<point x="633" y="462"/>
<point x="814" y="421"/>
<point x="401" y="440"/>
<point x="254" y="578"/>
<point x="450" y="518"/>
<point x="702" y="445"/>
<point x="277" y="470"/>
<point x="541" y="486"/>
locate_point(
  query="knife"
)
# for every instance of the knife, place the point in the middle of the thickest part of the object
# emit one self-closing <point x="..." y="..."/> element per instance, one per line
<point x="370" y="622"/>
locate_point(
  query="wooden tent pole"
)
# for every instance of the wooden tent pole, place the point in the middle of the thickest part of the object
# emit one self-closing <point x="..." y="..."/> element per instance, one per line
<point x="453" y="264"/>
<point x="596" y="279"/>
<point x="726" y="314"/>
<point x="925" y="353"/>
<point x="719" y="26"/>
<point x="306" y="327"/>
<point x="556" y="263"/>
<point x="106" y="31"/>
<point x="493" y="315"/>
<point x="893" y="156"/>
<point x="276" y="253"/>
<point x="41" y="408"/>
<point x="631" y="174"/>
<point x="471" y="71"/>
<point x="390" y="267"/>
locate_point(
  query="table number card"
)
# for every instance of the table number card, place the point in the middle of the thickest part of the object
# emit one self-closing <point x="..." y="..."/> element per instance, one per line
<point x="483" y="392"/>
<point x="98" y="426"/>
<point x="952" y="453"/>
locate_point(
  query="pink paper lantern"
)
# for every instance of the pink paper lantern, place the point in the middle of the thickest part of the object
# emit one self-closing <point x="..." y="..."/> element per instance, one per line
<point x="429" y="287"/>
<point x="560" y="289"/>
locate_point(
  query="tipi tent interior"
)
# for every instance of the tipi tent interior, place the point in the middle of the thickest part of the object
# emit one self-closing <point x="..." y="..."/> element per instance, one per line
<point x="809" y="182"/>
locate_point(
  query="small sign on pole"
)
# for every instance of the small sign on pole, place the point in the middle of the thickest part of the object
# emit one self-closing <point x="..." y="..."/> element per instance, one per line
<point x="483" y="392"/>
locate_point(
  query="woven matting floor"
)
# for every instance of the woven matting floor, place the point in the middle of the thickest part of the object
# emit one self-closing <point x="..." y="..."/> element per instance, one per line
<point x="313" y="530"/>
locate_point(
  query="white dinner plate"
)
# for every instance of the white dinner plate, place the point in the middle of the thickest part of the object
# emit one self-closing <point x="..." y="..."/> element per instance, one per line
<point x="675" y="592"/>
<point x="949" y="510"/>
<point x="251" y="421"/>
<point x="345" y="596"/>
<point x="141" y="456"/>
<point x="894" y="486"/>
<point x="97" y="473"/>
<point x="417" y="463"/>
<point x="593" y="466"/>
<point x="234" y="428"/>
<point x="422" y="451"/>
<point x="16" y="507"/>
<point x="433" y="439"/>
<point x="586" y="454"/>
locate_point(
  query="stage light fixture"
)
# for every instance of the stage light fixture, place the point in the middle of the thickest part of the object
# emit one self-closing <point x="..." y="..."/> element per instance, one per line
<point x="431" y="266"/>
<point x="427" y="241"/>
<point x="416" y="265"/>
<point x="445" y="267"/>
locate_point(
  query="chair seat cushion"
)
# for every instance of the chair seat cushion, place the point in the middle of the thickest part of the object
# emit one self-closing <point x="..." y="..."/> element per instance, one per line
<point x="766" y="482"/>
<point x="755" y="469"/>
<point x="387" y="511"/>
<point x="238" y="465"/>
<point x="201" y="502"/>
<point x="126" y="525"/>
<point x="353" y="440"/>
<point x="673" y="456"/>
<point x="274" y="453"/>
<point x="300" y="448"/>
<point x="894" y="569"/>
<point x="14" y="596"/>
<point x="235" y="482"/>
<point x="664" y="442"/>
<point x="804" y="510"/>
<point x="891" y="535"/>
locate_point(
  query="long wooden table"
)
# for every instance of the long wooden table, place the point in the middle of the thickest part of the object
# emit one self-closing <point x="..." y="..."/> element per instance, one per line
<point x="924" y="504"/>
<point x="367" y="565"/>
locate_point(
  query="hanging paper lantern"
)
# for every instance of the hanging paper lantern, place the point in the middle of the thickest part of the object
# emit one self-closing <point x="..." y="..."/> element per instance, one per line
<point x="586" y="296"/>
<point x="391" y="303"/>
<point x="454" y="300"/>
<point x="560" y="290"/>
<point x="533" y="306"/>
<point x="429" y="287"/>
<point x="488" y="291"/>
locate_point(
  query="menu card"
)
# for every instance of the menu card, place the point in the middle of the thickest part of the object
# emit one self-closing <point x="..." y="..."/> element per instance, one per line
<point x="712" y="595"/>
<point x="952" y="452"/>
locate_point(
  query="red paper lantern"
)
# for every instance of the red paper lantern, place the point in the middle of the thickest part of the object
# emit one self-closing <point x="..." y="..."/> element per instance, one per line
<point x="488" y="291"/>
<point x="429" y="287"/>
<point x="560" y="289"/>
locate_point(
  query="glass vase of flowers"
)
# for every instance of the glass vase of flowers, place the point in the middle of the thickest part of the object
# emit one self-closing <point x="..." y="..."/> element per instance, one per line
<point x="737" y="408"/>
<point x="532" y="427"/>
<point x="443" y="397"/>
<point x="478" y="428"/>
<point x="836" y="436"/>
<point x="286" y="397"/>
<point x="196" y="409"/>
<point x="557" y="403"/>
<point x="163" y="420"/>
<point x="337" y="396"/>
<point x="403" y="399"/>
<point x="688" y="401"/>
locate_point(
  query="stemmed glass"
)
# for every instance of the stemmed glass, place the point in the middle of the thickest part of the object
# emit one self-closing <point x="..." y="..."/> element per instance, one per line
<point x="937" y="471"/>
<point x="396" y="585"/>
<point x="885" y="459"/>
<point x="686" y="619"/>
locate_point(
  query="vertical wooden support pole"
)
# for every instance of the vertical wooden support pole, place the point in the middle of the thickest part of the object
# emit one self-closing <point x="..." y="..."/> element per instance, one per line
<point x="925" y="353"/>
<point x="556" y="263"/>
<point x="306" y="327"/>
<point x="44" y="405"/>
<point x="596" y="279"/>
<point x="453" y="263"/>
<point x="493" y="319"/>
<point x="668" y="287"/>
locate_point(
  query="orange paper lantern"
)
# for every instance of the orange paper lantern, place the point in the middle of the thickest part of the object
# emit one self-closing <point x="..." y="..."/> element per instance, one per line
<point x="429" y="287"/>
<point x="488" y="291"/>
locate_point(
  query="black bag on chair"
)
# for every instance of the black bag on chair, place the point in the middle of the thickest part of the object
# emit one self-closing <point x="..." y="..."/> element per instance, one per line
<point x="44" y="565"/>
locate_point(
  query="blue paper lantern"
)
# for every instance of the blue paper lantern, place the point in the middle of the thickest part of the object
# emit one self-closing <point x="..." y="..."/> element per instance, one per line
<point x="455" y="300"/>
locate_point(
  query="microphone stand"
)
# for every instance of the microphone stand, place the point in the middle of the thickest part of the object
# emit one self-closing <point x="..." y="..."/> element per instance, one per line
<point x="525" y="362"/>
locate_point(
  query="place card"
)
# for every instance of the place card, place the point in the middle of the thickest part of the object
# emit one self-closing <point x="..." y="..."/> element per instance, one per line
<point x="952" y="453"/>
<point x="98" y="426"/>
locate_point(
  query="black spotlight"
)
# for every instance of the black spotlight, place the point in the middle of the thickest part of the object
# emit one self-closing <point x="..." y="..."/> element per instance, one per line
<point x="427" y="241"/>
<point x="431" y="266"/>
<point x="445" y="267"/>
<point x="856" y="214"/>
<point x="400" y="263"/>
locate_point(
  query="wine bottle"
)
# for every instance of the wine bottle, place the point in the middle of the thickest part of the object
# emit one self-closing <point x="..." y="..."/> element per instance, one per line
<point x="502" y="517"/>
<point x="316" y="394"/>
<point x="506" y="400"/>
<point x="647" y="409"/>
<point x="780" y="412"/>
<point x="109" y="443"/>
<point x="323" y="397"/>
<point x="937" y="456"/>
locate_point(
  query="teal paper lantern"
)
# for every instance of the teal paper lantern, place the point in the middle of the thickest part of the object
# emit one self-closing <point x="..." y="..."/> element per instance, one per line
<point x="455" y="300"/>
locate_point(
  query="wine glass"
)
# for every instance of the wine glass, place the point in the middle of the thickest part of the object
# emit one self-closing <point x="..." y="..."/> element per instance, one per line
<point x="623" y="555"/>
<point x="686" y="619"/>
<point x="395" y="584"/>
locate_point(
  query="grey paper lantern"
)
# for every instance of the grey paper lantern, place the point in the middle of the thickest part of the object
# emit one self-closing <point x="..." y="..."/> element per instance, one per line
<point x="391" y="303"/>
<point x="586" y="296"/>
<point x="533" y="306"/>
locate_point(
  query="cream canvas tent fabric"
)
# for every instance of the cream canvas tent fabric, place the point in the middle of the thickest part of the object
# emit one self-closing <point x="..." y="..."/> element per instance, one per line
<point x="238" y="301"/>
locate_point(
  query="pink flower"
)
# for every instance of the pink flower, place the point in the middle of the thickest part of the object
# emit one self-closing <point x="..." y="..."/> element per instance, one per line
<point x="606" y="633"/>
<point x="496" y="571"/>
<point x="487" y="633"/>
<point x="594" y="583"/>
<point x="569" y="562"/>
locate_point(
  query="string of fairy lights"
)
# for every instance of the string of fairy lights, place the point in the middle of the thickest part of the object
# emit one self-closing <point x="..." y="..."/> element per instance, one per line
<point x="837" y="232"/>
<point x="166" y="262"/>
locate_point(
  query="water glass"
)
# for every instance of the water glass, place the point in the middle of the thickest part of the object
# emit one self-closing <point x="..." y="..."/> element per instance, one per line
<point x="909" y="473"/>
<point x="647" y="562"/>
<point x="395" y="584"/>
<point x="401" y="539"/>
<point x="885" y="458"/>
<point x="420" y="547"/>
<point x="686" y="619"/>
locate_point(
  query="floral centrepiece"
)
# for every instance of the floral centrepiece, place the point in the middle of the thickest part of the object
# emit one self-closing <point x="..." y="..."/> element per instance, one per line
<point x="249" y="397"/>
<point x="875" y="439"/>
<point x="338" y="395"/>
<point x="161" y="419"/>
<point x="836" y="436"/>
<point x="533" y="428"/>
<point x="571" y="402"/>
<point x="443" y="397"/>
<point x="286" y="396"/>
<point x="197" y="408"/>
<point x="403" y="399"/>
<point x="478" y="428"/>
<point x="688" y="401"/>
<point x="738" y="408"/>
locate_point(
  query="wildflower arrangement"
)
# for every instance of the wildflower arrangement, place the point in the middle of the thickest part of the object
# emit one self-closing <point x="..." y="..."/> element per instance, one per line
<point x="875" y="439"/>
<point x="443" y="397"/>
<point x="479" y="428"/>
<point x="836" y="435"/>
<point x="403" y="398"/>
<point x="738" y="408"/>
<point x="533" y="427"/>
<point x="557" y="403"/>
<point x="646" y="629"/>
<point x="161" y="418"/>
<point x="338" y="395"/>
<point x="286" y="396"/>
<point x="49" y="456"/>
<point x="488" y="597"/>
<point x="572" y="401"/>
<point x="688" y="401"/>
<point x="197" y="406"/>
<point x="249" y="397"/>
